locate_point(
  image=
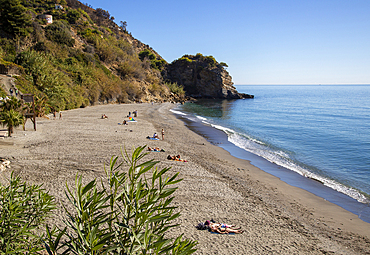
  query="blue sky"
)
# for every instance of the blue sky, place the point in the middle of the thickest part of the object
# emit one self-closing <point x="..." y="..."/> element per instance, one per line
<point x="262" y="41"/>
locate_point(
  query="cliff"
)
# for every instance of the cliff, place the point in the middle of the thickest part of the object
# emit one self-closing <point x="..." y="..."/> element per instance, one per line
<point x="202" y="76"/>
<point x="73" y="56"/>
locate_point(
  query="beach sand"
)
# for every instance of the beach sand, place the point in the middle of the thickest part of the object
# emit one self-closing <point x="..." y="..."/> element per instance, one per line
<point x="277" y="218"/>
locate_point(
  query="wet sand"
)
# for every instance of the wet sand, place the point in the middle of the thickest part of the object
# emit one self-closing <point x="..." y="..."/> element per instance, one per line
<point x="277" y="218"/>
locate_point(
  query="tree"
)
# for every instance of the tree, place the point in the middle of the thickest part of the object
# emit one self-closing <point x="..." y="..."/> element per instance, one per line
<point x="42" y="106"/>
<point x="102" y="13"/>
<point x="12" y="103"/>
<point x="11" y="114"/>
<point x="11" y="119"/>
<point x="123" y="25"/>
<point x="14" y="18"/>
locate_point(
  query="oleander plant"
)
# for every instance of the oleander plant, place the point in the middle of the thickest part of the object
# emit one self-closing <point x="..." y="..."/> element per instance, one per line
<point x="128" y="212"/>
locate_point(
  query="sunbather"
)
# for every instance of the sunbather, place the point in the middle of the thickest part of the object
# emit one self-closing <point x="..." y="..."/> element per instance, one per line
<point x="155" y="149"/>
<point x="222" y="225"/>
<point x="222" y="229"/>
<point x="177" y="158"/>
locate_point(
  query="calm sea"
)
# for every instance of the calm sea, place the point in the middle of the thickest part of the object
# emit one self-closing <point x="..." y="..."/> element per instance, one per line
<point x="318" y="132"/>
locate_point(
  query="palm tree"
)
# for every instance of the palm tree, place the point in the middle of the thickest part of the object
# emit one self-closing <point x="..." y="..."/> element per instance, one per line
<point x="11" y="118"/>
<point x="12" y="103"/>
<point x="41" y="105"/>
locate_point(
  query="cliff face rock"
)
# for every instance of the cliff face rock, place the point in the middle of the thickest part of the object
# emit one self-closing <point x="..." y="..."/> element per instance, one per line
<point x="202" y="76"/>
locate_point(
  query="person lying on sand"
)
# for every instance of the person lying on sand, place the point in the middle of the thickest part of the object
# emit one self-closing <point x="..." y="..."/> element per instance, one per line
<point x="124" y="122"/>
<point x="177" y="158"/>
<point x="220" y="228"/>
<point x="212" y="223"/>
<point x="104" y="116"/>
<point x="223" y="229"/>
<point x="155" y="149"/>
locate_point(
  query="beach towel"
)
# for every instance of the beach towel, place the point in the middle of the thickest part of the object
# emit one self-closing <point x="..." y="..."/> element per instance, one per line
<point x="152" y="138"/>
<point x="221" y="234"/>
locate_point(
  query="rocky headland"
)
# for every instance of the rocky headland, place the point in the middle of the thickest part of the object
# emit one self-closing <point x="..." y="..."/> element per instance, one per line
<point x="203" y="77"/>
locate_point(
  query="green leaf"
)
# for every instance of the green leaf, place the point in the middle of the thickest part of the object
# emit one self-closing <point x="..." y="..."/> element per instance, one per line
<point x="88" y="187"/>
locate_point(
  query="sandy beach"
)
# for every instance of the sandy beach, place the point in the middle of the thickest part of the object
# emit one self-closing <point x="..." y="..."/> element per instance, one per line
<point x="277" y="218"/>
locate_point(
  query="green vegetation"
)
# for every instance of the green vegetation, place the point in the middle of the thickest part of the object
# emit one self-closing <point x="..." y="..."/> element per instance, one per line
<point x="185" y="59"/>
<point x="176" y="89"/>
<point x="147" y="55"/>
<point x="11" y="114"/>
<point x="83" y="57"/>
<point x="201" y="61"/>
<point x="130" y="212"/>
<point x="23" y="209"/>
<point x="14" y="18"/>
<point x="59" y="32"/>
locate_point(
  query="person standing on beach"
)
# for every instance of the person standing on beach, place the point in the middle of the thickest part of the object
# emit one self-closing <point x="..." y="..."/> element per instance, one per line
<point x="60" y="115"/>
<point x="162" y="134"/>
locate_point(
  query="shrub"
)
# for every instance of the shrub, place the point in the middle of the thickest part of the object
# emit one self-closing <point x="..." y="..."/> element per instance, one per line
<point x="23" y="208"/>
<point x="2" y="92"/>
<point x="11" y="114"/>
<point x="59" y="32"/>
<point x="73" y="16"/>
<point x="185" y="59"/>
<point x="211" y="60"/>
<point x="85" y="15"/>
<point x="146" y="54"/>
<point x="158" y="64"/>
<point x="9" y="50"/>
<point x="130" y="214"/>
<point x="11" y="119"/>
<point x="176" y="89"/>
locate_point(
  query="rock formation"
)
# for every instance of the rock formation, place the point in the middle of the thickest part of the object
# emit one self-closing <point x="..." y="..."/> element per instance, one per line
<point x="202" y="76"/>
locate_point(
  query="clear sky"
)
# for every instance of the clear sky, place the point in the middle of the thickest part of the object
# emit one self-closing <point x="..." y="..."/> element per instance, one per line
<point x="262" y="41"/>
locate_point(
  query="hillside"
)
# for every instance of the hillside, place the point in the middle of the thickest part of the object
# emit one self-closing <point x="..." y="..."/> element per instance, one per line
<point x="70" y="55"/>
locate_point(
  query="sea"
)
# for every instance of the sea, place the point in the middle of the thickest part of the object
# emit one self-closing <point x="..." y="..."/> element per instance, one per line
<point x="315" y="137"/>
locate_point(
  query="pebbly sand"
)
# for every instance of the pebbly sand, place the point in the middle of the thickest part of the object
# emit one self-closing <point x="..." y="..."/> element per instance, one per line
<point x="277" y="218"/>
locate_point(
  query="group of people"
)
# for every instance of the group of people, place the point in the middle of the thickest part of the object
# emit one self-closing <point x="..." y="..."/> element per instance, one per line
<point x="155" y="149"/>
<point x="12" y="90"/>
<point x="177" y="158"/>
<point x="219" y="228"/>
<point x="156" y="135"/>
<point x="134" y="113"/>
<point x="55" y="115"/>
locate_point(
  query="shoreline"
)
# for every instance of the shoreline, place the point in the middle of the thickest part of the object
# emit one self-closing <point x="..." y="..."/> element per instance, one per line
<point x="276" y="217"/>
<point x="219" y="138"/>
